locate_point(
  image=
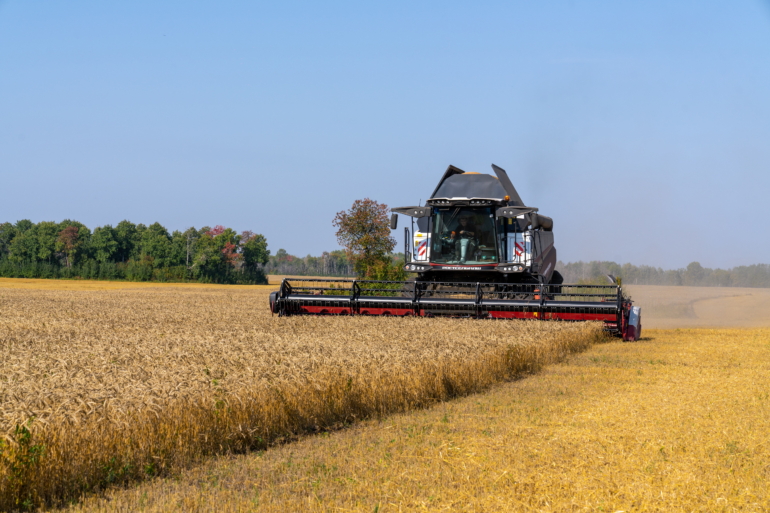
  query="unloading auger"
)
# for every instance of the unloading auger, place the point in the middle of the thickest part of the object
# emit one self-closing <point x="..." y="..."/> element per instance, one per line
<point x="475" y="251"/>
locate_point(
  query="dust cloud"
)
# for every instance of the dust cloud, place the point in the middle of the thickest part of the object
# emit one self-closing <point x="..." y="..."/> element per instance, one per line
<point x="696" y="307"/>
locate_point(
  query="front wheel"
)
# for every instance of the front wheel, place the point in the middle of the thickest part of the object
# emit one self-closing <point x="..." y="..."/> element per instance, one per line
<point x="273" y="302"/>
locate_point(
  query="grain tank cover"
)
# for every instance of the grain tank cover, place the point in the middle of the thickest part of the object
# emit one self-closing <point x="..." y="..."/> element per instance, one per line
<point x="470" y="185"/>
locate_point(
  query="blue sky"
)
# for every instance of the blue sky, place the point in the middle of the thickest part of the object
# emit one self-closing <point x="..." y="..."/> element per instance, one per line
<point x="642" y="128"/>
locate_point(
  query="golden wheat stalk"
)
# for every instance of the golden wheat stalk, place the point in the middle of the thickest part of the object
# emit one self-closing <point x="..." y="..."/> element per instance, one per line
<point x="101" y="387"/>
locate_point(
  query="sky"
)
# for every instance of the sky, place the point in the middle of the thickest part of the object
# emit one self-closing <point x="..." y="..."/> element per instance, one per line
<point x="641" y="128"/>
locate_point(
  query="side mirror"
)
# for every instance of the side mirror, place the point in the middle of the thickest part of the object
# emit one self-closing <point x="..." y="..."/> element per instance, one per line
<point x="393" y="221"/>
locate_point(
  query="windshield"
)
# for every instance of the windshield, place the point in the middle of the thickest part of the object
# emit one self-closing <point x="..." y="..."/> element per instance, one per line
<point x="463" y="236"/>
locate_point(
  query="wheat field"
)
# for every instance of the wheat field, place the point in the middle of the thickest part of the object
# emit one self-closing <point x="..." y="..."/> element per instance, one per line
<point x="677" y="422"/>
<point x="103" y="385"/>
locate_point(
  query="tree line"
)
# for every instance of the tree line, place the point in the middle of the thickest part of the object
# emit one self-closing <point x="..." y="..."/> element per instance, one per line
<point x="129" y="251"/>
<point x="336" y="263"/>
<point x="330" y="263"/>
<point x="137" y="252"/>
<point x="694" y="274"/>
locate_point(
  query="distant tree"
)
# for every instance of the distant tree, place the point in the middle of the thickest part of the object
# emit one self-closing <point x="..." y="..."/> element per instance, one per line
<point x="156" y="244"/>
<point x="232" y="257"/>
<point x="68" y="243"/>
<point x="721" y="278"/>
<point x="138" y="252"/>
<point x="364" y="232"/>
<point x="217" y="230"/>
<point x="283" y="256"/>
<point x="254" y="249"/>
<point x="24" y="225"/>
<point x="694" y="274"/>
<point x="183" y="247"/>
<point x="47" y="232"/>
<point x="215" y="253"/>
<point x="104" y="243"/>
<point x="81" y="241"/>
<point x="24" y="246"/>
<point x="190" y="236"/>
<point x="125" y="237"/>
<point x="7" y="233"/>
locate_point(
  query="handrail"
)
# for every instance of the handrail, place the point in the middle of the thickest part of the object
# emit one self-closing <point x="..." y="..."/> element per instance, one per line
<point x="407" y="247"/>
<point x="466" y="283"/>
<point x="478" y="291"/>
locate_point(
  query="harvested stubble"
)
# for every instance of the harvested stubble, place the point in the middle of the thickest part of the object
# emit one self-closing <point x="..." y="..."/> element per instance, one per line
<point x="127" y="384"/>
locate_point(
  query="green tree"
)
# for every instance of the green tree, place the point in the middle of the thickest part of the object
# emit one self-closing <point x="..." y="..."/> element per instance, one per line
<point x="137" y="251"/>
<point x="177" y="255"/>
<point x="24" y="225"/>
<point x="183" y="247"/>
<point x="215" y="253"/>
<point x="126" y="239"/>
<point x="254" y="249"/>
<point x="24" y="247"/>
<point x="104" y="243"/>
<point x="156" y="244"/>
<point x="7" y="233"/>
<point x="47" y="232"/>
<point x="364" y="232"/>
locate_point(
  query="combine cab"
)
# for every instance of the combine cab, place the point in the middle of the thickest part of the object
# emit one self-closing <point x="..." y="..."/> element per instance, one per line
<point x="475" y="251"/>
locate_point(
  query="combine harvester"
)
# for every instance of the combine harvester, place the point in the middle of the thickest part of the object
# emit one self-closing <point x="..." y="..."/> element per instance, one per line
<point x="476" y="251"/>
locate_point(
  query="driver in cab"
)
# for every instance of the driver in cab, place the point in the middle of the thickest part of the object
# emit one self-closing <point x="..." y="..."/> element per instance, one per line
<point x="464" y="236"/>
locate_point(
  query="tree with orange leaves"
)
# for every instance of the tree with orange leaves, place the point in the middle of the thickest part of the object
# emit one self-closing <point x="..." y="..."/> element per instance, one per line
<point x="67" y="243"/>
<point x="364" y="232"/>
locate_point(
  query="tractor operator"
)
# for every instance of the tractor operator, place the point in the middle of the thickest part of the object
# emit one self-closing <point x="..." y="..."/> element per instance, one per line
<point x="464" y="236"/>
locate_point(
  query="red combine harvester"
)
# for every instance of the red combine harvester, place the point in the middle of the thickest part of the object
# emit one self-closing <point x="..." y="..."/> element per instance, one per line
<point x="476" y="251"/>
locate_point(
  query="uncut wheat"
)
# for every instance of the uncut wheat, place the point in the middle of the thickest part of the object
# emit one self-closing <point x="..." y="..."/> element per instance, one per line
<point x="101" y="387"/>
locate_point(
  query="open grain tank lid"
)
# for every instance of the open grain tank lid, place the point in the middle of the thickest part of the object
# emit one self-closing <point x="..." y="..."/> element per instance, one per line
<point x="456" y="183"/>
<point x="470" y="185"/>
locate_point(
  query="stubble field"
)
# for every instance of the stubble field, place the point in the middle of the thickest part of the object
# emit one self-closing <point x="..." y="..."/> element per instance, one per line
<point x="702" y="307"/>
<point x="104" y="385"/>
